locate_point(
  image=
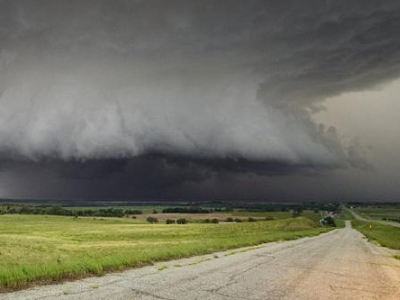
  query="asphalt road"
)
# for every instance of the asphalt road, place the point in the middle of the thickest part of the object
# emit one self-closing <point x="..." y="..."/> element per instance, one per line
<point x="338" y="265"/>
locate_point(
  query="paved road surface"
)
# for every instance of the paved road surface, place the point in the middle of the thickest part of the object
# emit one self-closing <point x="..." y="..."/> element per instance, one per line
<point x="359" y="217"/>
<point x="338" y="265"/>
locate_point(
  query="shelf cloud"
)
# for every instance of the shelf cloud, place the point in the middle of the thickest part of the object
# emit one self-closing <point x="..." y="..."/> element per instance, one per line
<point x="183" y="91"/>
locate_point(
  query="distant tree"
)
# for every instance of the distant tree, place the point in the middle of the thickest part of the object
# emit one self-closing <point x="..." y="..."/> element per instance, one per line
<point x="214" y="221"/>
<point x="329" y="221"/>
<point x="296" y="214"/>
<point x="186" y="210"/>
<point x="155" y="211"/>
<point x="106" y="212"/>
<point x="237" y="220"/>
<point x="169" y="221"/>
<point x="229" y="219"/>
<point x="207" y="221"/>
<point x="152" y="220"/>
<point x="181" y="221"/>
<point x="133" y="212"/>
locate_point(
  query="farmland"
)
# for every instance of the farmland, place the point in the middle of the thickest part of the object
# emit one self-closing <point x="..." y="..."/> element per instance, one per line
<point x="375" y="213"/>
<point x="193" y="212"/>
<point x="37" y="248"/>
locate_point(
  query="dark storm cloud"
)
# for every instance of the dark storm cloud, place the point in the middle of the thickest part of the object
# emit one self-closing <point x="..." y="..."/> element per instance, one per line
<point x="160" y="93"/>
<point x="142" y="177"/>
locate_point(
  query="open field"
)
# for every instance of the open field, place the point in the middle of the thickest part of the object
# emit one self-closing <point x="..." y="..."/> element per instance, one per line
<point x="338" y="265"/>
<point x="385" y="235"/>
<point x="140" y="213"/>
<point x="276" y="215"/>
<point x="315" y="216"/>
<point x="222" y="216"/>
<point x="190" y="217"/>
<point x="51" y="248"/>
<point x="379" y="213"/>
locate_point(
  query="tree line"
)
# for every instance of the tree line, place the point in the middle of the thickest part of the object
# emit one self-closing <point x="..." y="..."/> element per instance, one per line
<point x="61" y="211"/>
<point x="193" y="210"/>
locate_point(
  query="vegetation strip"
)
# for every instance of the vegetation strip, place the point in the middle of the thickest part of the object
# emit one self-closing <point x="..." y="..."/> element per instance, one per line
<point x="385" y="235"/>
<point x="52" y="248"/>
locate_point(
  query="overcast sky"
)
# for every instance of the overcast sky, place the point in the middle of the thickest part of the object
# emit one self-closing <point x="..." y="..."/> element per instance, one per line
<point x="163" y="99"/>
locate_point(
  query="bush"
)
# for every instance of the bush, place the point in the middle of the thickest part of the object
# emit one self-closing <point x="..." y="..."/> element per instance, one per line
<point x="269" y="218"/>
<point x="296" y="214"/>
<point x="237" y="220"/>
<point x="152" y="220"/>
<point x="133" y="212"/>
<point x="207" y="221"/>
<point x="229" y="220"/>
<point x="186" y="210"/>
<point x="250" y="219"/>
<point x="169" y="221"/>
<point x="329" y="221"/>
<point x="214" y="221"/>
<point x="181" y="221"/>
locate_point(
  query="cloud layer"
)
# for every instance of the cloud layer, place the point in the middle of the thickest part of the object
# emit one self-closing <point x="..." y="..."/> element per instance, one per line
<point x="227" y="85"/>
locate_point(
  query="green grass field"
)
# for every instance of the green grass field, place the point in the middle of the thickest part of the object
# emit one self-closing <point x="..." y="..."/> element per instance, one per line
<point x="278" y="215"/>
<point x="51" y="248"/>
<point x="385" y="235"/>
<point x="376" y="213"/>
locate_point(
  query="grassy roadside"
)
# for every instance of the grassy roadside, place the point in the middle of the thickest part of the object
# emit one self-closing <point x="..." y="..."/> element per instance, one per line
<point x="50" y="248"/>
<point x="385" y="235"/>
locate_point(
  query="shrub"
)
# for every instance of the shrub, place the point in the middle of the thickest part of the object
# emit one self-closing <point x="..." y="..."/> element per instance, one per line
<point x="250" y="219"/>
<point x="214" y="221"/>
<point x="207" y="221"/>
<point x="329" y="221"/>
<point x="186" y="210"/>
<point x="296" y="214"/>
<point x="152" y="220"/>
<point x="169" y="221"/>
<point x="237" y="220"/>
<point x="229" y="219"/>
<point x="133" y="212"/>
<point x="181" y="221"/>
<point x="269" y="218"/>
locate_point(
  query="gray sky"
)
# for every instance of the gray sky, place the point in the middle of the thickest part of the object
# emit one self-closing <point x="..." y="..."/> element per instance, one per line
<point x="188" y="99"/>
<point x="372" y="117"/>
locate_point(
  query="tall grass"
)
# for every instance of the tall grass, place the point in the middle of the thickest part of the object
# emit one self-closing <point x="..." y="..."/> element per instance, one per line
<point x="50" y="248"/>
